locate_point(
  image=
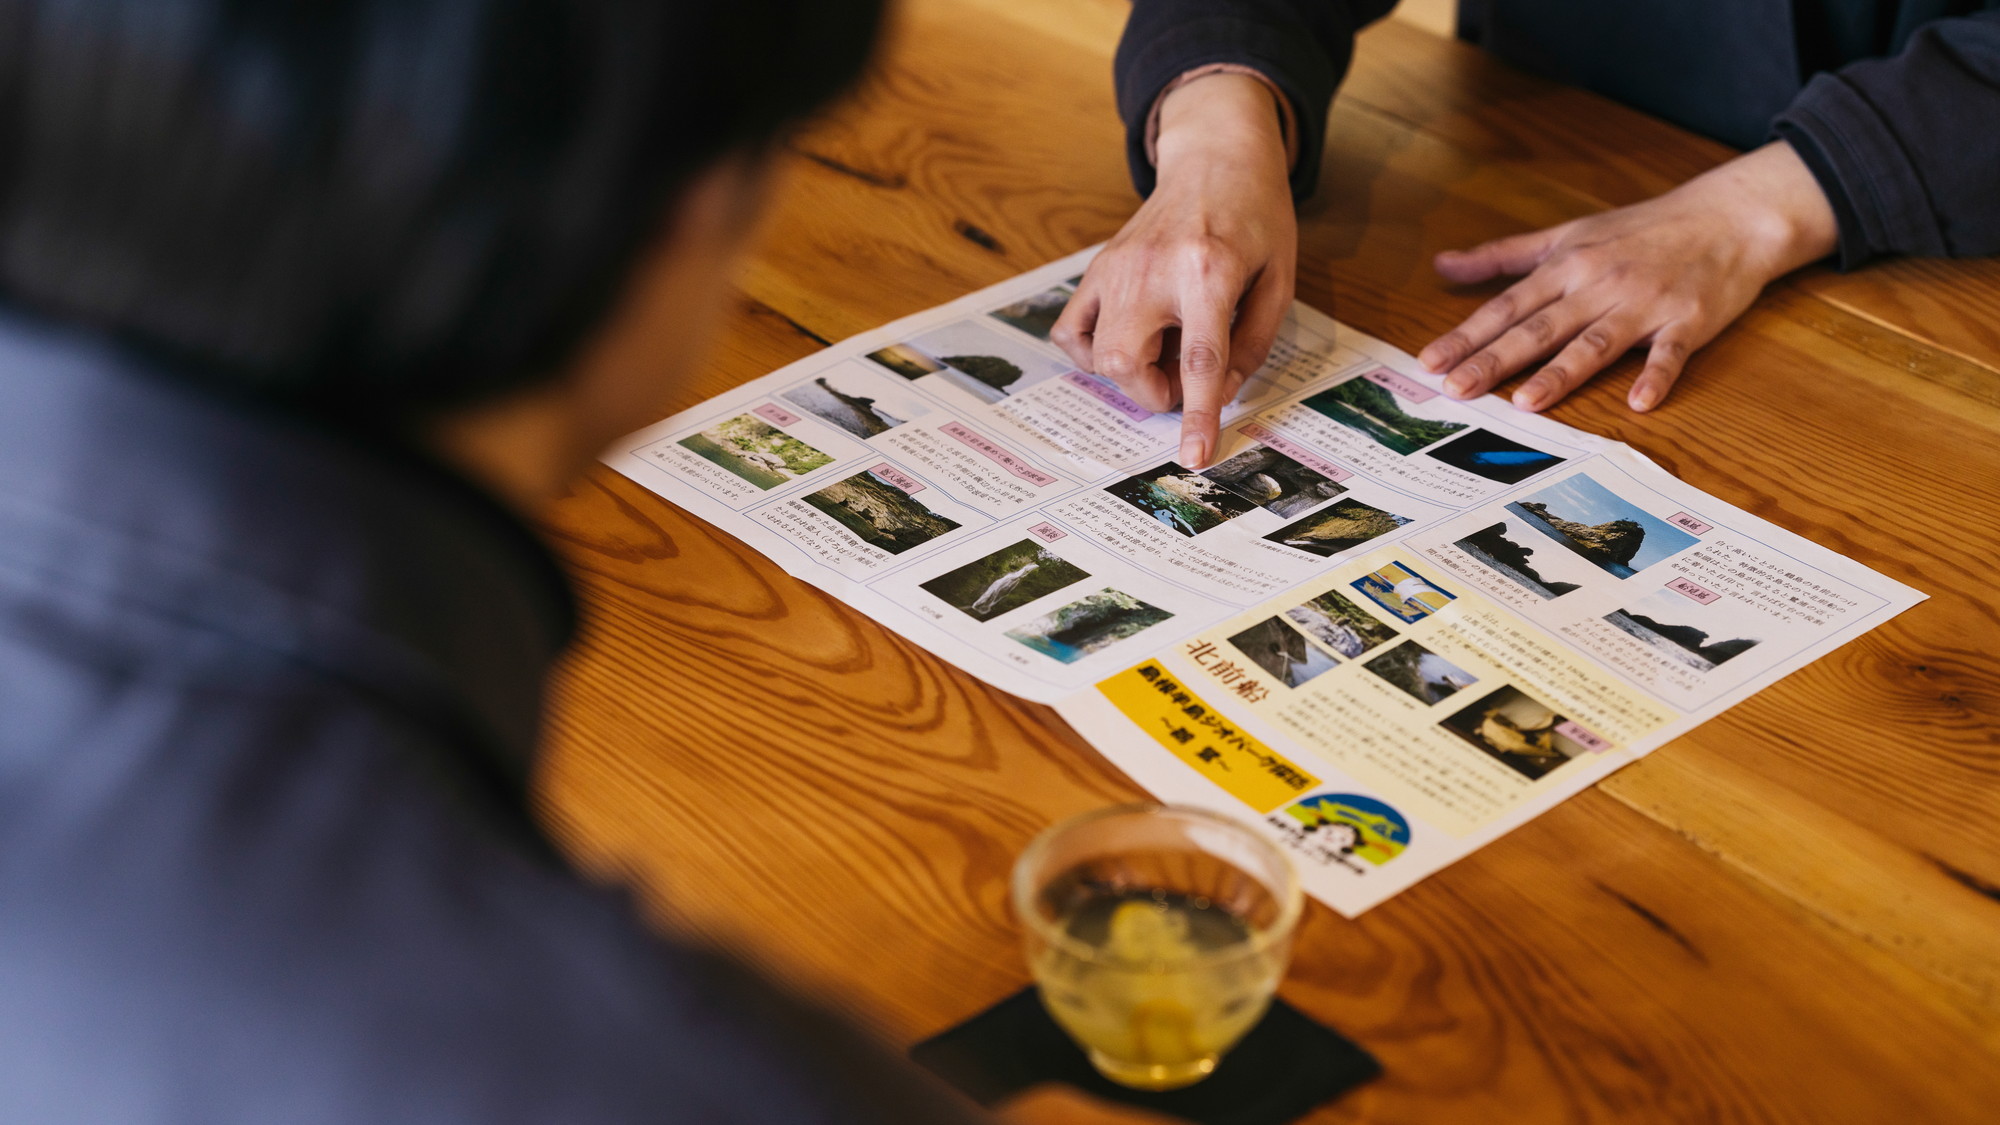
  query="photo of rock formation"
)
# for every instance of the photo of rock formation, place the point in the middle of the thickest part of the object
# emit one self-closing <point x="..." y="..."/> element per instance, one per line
<point x="1487" y="454"/>
<point x="984" y="363"/>
<point x="880" y="513"/>
<point x="1340" y="526"/>
<point x="1008" y="578"/>
<point x="1181" y="499"/>
<point x="1517" y="730"/>
<point x="1683" y="642"/>
<point x="1282" y="651"/>
<point x="1370" y="408"/>
<point x="1034" y="315"/>
<point x="1510" y="560"/>
<point x="1082" y="627"/>
<point x="1273" y="481"/>
<point x="1684" y="631"/>
<point x="857" y="400"/>
<point x="1339" y="624"/>
<point x="1597" y="524"/>
<point x="755" y="450"/>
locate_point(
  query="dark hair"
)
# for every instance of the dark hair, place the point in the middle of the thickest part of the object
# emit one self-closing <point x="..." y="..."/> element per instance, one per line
<point x="392" y="204"/>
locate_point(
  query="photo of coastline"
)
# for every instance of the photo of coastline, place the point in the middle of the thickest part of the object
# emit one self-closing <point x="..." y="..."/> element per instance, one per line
<point x="1424" y="675"/>
<point x="857" y="400"/>
<point x="1082" y="627"/>
<point x="1517" y="730"/>
<point x="906" y="361"/>
<point x="1034" y="315"/>
<point x="1616" y="535"/>
<point x="1282" y="651"/>
<point x="1487" y="454"/>
<point x="1403" y="592"/>
<point x="1503" y="548"/>
<point x="1181" y="499"/>
<point x="1006" y="579"/>
<point x="1370" y="408"/>
<point x="1685" y="631"/>
<point x="1339" y="624"/>
<point x="753" y="449"/>
<point x="1340" y="526"/>
<point x="983" y="363"/>
<point x="879" y="512"/>
<point x="1273" y="481"/>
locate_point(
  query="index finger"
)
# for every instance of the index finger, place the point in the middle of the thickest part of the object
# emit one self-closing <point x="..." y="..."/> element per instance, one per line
<point x="1205" y="316"/>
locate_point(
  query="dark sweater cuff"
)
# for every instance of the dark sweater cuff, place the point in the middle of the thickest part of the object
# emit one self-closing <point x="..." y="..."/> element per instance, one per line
<point x="1295" y="63"/>
<point x="1880" y="202"/>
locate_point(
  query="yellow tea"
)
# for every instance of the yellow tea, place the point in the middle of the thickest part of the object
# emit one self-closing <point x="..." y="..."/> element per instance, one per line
<point x="1157" y="985"/>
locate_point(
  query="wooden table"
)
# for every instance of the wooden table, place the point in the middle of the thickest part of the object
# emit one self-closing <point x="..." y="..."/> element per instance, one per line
<point x="1792" y="914"/>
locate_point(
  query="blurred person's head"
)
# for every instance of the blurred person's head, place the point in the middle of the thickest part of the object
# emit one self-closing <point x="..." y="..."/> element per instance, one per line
<point x="412" y="212"/>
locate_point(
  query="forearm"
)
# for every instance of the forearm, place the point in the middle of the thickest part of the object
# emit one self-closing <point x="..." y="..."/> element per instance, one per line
<point x="1902" y="146"/>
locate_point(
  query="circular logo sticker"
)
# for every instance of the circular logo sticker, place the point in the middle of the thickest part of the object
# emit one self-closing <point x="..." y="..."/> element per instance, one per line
<point x="1352" y="824"/>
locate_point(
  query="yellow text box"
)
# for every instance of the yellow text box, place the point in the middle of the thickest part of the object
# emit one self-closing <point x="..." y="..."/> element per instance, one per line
<point x="1197" y="734"/>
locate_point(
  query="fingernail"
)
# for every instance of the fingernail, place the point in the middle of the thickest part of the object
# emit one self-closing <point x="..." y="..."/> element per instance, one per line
<point x="1194" y="451"/>
<point x="1644" y="398"/>
<point x="1530" y="397"/>
<point x="1430" y="361"/>
<point x="1458" y="386"/>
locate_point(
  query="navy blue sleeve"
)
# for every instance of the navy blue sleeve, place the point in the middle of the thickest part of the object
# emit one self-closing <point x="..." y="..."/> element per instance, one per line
<point x="255" y="902"/>
<point x="1897" y="144"/>
<point x="1302" y="45"/>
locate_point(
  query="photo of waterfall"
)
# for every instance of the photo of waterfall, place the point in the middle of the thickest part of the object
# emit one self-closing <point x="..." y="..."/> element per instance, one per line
<point x="1007" y="579"/>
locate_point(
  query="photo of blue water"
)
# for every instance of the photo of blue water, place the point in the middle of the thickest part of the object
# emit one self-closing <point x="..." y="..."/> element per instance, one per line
<point x="1487" y="454"/>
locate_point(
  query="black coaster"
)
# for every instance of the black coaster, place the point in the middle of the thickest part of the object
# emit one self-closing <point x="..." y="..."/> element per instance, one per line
<point x="1286" y="1065"/>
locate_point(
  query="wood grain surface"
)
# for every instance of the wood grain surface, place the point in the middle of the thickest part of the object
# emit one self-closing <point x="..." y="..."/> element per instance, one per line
<point x="1790" y="915"/>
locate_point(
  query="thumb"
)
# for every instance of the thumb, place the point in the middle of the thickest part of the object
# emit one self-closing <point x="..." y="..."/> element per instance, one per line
<point x="1515" y="254"/>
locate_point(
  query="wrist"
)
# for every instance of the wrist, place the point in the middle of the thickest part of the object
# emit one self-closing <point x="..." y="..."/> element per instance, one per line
<point x="1227" y="119"/>
<point x="1782" y="215"/>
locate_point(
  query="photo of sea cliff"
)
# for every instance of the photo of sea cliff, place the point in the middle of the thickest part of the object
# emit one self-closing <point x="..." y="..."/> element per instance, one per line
<point x="1006" y="579"/>
<point x="1369" y="407"/>
<point x="857" y="400"/>
<point x="1082" y="627"/>
<point x="1503" y="548"/>
<point x="1695" y="636"/>
<point x="1282" y="651"/>
<point x="880" y="513"/>
<point x="755" y="450"/>
<point x="1612" y="533"/>
<point x="1339" y="624"/>
<point x="1273" y="481"/>
<point x="1340" y="526"/>
<point x="1181" y="499"/>
<point x="1487" y="454"/>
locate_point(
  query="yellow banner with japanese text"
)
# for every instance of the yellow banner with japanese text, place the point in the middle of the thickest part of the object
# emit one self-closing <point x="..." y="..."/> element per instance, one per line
<point x="1206" y="740"/>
